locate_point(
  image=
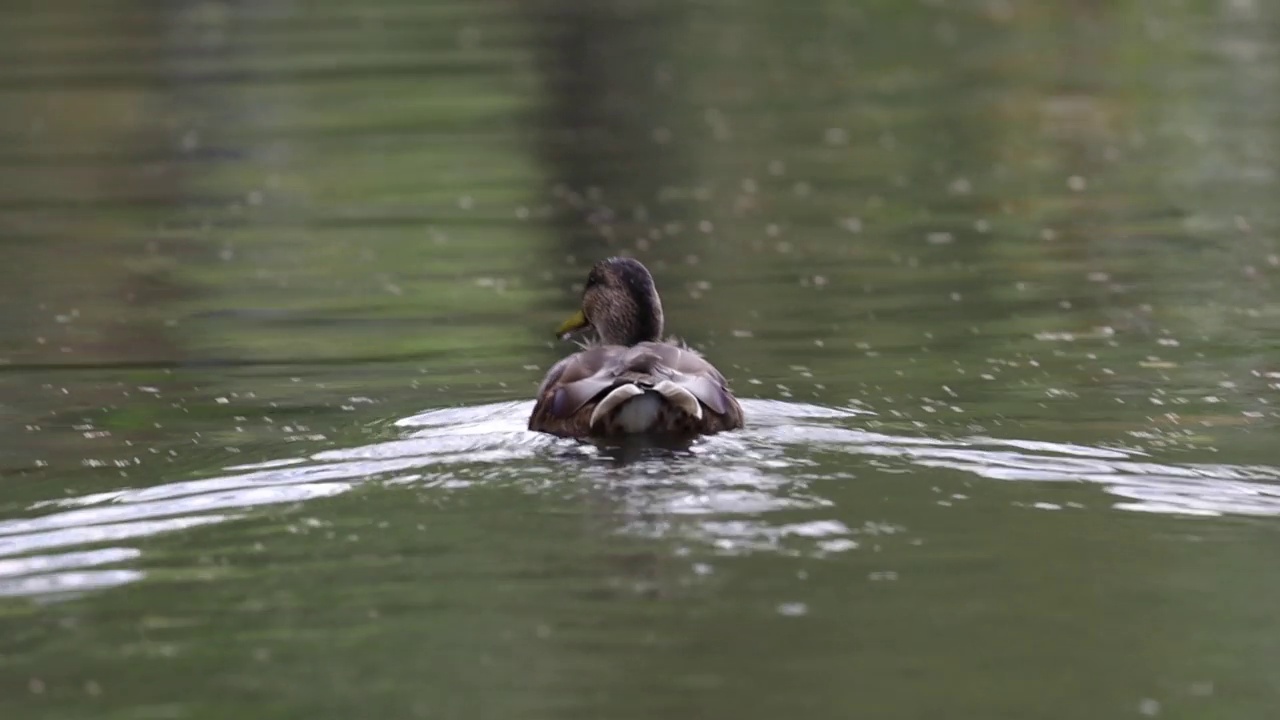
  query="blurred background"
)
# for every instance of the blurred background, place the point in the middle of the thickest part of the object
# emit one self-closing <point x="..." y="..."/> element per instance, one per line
<point x="277" y="279"/>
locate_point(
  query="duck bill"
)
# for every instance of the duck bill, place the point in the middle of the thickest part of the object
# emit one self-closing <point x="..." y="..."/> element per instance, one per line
<point x="573" y="324"/>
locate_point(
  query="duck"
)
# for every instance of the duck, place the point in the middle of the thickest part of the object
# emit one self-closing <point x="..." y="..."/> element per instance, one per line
<point x="630" y="382"/>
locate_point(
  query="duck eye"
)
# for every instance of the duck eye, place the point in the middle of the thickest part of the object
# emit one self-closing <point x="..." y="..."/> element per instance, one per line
<point x="592" y="281"/>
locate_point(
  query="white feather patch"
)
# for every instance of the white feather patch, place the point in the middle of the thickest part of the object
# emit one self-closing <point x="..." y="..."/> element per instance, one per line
<point x="640" y="414"/>
<point x="680" y="397"/>
<point x="616" y="397"/>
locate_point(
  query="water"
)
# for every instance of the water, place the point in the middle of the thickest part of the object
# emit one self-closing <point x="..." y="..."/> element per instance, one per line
<point x="997" y="285"/>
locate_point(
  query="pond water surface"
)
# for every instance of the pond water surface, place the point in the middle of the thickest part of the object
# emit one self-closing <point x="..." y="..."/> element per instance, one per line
<point x="998" y="283"/>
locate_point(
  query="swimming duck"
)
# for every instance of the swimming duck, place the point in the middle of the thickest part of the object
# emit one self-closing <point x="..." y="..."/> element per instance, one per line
<point x="631" y="382"/>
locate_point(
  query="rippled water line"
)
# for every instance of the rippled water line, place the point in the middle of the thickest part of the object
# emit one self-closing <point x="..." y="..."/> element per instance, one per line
<point x="77" y="581"/>
<point x="47" y="563"/>
<point x="131" y="510"/>
<point x="65" y="572"/>
<point x="1188" y="489"/>
<point x="66" y="537"/>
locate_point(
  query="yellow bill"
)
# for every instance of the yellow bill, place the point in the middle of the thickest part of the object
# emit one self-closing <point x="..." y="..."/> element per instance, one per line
<point x="576" y="322"/>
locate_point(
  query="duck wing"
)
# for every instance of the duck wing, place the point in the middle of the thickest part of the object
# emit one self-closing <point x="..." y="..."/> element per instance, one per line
<point x="573" y="382"/>
<point x="686" y="368"/>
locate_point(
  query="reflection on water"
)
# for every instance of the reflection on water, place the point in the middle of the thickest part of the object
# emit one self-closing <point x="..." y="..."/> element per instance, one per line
<point x="239" y="239"/>
<point x="721" y="493"/>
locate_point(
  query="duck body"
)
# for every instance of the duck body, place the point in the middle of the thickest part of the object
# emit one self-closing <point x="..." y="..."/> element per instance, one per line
<point x="630" y="383"/>
<point x="650" y="388"/>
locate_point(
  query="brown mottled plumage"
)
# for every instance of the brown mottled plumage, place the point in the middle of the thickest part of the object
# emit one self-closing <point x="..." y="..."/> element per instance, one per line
<point x="672" y="389"/>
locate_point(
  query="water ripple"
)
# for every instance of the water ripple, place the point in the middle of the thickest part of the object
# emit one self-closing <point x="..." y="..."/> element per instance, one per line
<point x="725" y="492"/>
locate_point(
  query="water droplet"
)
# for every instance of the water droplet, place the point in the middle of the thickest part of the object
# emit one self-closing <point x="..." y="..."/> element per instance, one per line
<point x="793" y="609"/>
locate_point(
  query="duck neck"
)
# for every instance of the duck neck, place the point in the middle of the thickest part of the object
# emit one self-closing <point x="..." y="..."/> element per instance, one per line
<point x="646" y="324"/>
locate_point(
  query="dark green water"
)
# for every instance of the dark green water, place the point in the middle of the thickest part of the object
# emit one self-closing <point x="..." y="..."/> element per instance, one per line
<point x="998" y="282"/>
